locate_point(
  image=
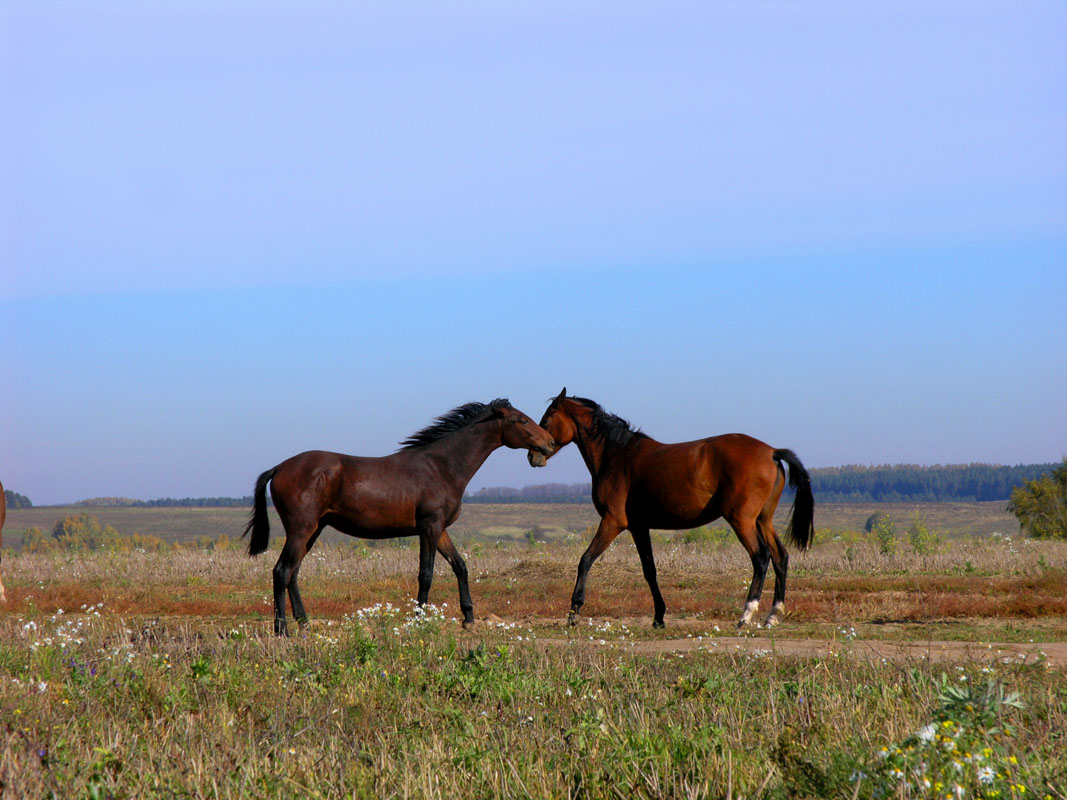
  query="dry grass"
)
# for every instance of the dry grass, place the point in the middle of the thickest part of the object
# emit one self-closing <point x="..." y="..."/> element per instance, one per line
<point x="489" y="522"/>
<point x="836" y="583"/>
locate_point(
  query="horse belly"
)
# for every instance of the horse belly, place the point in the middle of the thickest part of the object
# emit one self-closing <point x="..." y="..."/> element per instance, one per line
<point x="671" y="507"/>
<point x="674" y="518"/>
<point x="368" y="527"/>
<point x="373" y="514"/>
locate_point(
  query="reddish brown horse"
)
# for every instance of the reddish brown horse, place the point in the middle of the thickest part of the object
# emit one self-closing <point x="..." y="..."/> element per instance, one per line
<point x="3" y="513"/>
<point x="416" y="491"/>
<point x="640" y="484"/>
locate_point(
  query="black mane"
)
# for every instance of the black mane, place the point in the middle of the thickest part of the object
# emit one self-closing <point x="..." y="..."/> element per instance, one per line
<point x="451" y="422"/>
<point x="611" y="428"/>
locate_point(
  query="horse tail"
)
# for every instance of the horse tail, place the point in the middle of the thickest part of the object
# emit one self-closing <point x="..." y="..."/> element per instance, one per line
<point x="802" y="520"/>
<point x="258" y="522"/>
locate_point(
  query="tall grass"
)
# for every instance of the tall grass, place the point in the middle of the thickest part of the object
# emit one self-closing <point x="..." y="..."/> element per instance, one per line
<point x="388" y="703"/>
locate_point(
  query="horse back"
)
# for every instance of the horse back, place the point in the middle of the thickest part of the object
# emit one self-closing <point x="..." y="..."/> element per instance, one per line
<point x="361" y="496"/>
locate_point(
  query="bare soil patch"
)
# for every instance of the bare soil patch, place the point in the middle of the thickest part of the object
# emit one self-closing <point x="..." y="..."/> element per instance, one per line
<point x="1053" y="653"/>
<point x="779" y="642"/>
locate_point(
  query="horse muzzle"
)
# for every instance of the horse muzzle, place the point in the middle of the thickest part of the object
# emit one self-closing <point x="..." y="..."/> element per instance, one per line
<point x="540" y="456"/>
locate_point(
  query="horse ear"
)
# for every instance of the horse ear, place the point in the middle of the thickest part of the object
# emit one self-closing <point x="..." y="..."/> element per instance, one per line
<point x="562" y="394"/>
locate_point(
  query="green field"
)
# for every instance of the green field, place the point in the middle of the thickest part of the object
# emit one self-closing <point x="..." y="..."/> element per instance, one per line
<point x="507" y="522"/>
<point x="928" y="674"/>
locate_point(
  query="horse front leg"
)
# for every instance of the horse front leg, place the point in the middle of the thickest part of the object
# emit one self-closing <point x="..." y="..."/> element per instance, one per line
<point x="427" y="554"/>
<point x="606" y="532"/>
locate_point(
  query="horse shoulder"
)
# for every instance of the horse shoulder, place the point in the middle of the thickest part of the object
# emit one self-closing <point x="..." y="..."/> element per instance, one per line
<point x="609" y="496"/>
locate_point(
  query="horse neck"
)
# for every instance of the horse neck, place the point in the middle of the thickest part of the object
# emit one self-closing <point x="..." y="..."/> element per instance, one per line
<point x="592" y="448"/>
<point x="464" y="452"/>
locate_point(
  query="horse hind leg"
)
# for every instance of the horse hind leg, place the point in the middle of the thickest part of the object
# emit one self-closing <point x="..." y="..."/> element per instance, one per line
<point x="299" y="614"/>
<point x="780" y="560"/>
<point x="760" y="555"/>
<point x="285" y="571"/>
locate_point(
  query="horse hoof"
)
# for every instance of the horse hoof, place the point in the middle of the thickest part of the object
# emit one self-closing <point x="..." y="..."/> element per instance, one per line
<point x="572" y="618"/>
<point x="468" y="624"/>
<point x="774" y="617"/>
<point x="658" y="623"/>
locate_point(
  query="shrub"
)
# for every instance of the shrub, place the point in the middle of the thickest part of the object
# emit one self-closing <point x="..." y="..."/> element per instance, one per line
<point x="1041" y="505"/>
<point x="923" y="541"/>
<point x="886" y="534"/>
<point x="84" y="532"/>
<point x="142" y="541"/>
<point x="706" y="535"/>
<point x="874" y="519"/>
<point x="34" y="541"/>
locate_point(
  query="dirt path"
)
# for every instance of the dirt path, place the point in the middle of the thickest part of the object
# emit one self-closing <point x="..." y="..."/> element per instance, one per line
<point x="778" y="643"/>
<point x="1054" y="653"/>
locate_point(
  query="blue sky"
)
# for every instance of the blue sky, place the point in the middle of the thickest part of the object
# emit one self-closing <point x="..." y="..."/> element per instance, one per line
<point x="230" y="232"/>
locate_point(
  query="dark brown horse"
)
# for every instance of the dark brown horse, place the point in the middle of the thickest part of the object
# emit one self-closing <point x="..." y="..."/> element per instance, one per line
<point x="640" y="484"/>
<point x="3" y="513"/>
<point x="416" y="491"/>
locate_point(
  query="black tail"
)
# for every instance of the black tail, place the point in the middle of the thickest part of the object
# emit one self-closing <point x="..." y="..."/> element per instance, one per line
<point x="258" y="523"/>
<point x="802" y="520"/>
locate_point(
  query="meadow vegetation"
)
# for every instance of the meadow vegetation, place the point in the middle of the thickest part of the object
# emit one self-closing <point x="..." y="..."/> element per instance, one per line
<point x="506" y="522"/>
<point x="1041" y="504"/>
<point x="153" y="674"/>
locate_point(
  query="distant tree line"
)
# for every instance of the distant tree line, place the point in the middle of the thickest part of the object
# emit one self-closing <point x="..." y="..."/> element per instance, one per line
<point x="913" y="483"/>
<point x="540" y="493"/>
<point x="886" y="483"/>
<point x="167" y="502"/>
<point x="201" y="502"/>
<point x="851" y="484"/>
<point x="16" y="500"/>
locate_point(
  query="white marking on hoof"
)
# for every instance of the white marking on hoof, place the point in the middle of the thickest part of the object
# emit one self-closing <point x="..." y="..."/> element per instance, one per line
<point x="776" y="610"/>
<point x="751" y="607"/>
